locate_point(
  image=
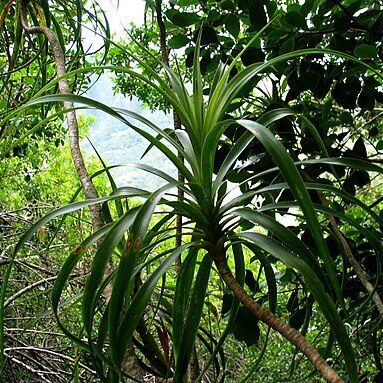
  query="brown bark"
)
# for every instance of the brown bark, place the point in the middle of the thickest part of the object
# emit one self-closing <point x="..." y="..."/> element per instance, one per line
<point x="193" y="368"/>
<point x="130" y="364"/>
<point x="267" y="317"/>
<point x="73" y="131"/>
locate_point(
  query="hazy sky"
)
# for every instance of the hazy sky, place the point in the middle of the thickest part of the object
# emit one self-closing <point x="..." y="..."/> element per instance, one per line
<point x="114" y="141"/>
<point x="122" y="12"/>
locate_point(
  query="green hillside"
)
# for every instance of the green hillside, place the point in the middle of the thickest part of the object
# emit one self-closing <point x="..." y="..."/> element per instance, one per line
<point x="119" y="145"/>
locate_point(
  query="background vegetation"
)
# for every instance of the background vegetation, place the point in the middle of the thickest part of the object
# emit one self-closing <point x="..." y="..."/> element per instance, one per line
<point x="277" y="222"/>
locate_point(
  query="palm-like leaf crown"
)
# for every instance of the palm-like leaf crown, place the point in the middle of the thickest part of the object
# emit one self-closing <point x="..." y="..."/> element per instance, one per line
<point x="213" y="222"/>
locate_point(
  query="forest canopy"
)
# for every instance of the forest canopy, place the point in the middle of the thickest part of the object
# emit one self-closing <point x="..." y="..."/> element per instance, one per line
<point x="261" y="261"/>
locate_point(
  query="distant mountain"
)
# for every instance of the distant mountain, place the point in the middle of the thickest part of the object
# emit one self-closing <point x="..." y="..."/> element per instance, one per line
<point x="118" y="144"/>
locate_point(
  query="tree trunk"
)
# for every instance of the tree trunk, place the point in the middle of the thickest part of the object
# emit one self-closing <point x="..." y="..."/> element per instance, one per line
<point x="130" y="365"/>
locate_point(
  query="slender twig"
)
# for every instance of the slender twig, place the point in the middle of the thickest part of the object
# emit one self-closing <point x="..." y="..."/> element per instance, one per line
<point x="377" y="202"/>
<point x="28" y="368"/>
<point x="28" y="288"/>
<point x="348" y="252"/>
<point x="350" y="15"/>
<point x="47" y="351"/>
<point x="28" y="330"/>
<point x="32" y="286"/>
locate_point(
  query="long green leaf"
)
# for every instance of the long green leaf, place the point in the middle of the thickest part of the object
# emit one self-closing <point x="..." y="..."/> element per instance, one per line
<point x="193" y="318"/>
<point x="123" y="192"/>
<point x="266" y="119"/>
<point x="136" y="309"/>
<point x="269" y="273"/>
<point x="124" y="281"/>
<point x="63" y="278"/>
<point x="227" y="93"/>
<point x="315" y="285"/>
<point x="118" y="115"/>
<point x="198" y="101"/>
<point x="285" y="235"/>
<point x="300" y="192"/>
<point x="239" y="261"/>
<point x="99" y="264"/>
<point x="181" y="297"/>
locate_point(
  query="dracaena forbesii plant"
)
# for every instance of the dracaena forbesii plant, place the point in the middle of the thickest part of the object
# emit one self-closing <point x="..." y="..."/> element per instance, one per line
<point x="219" y="232"/>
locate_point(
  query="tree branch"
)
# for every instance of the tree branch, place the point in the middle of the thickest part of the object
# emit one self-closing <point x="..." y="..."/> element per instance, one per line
<point x="73" y="130"/>
<point x="348" y="252"/>
<point x="130" y="362"/>
<point x="267" y="317"/>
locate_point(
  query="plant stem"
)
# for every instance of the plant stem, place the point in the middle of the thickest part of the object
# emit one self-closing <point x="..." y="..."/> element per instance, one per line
<point x="267" y="317"/>
<point x="73" y="130"/>
<point x="130" y="362"/>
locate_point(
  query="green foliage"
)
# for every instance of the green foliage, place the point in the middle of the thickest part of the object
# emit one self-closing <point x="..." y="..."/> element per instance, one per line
<point x="299" y="153"/>
<point x="211" y="215"/>
<point x="133" y="86"/>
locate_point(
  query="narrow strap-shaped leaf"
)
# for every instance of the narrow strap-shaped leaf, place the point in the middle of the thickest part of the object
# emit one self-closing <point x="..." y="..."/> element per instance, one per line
<point x="192" y="211"/>
<point x="315" y="285"/>
<point x="113" y="185"/>
<point x="274" y="115"/>
<point x="240" y="80"/>
<point x="163" y="133"/>
<point x="285" y="235"/>
<point x="322" y="187"/>
<point x="188" y="150"/>
<point x="241" y="144"/>
<point x="238" y="201"/>
<point x="17" y="141"/>
<point x="99" y="264"/>
<point x="155" y="171"/>
<point x="124" y="281"/>
<point x="340" y="192"/>
<point x="168" y="131"/>
<point x="239" y="261"/>
<point x="63" y="277"/>
<point x="136" y="309"/>
<point x="208" y="150"/>
<point x="207" y="339"/>
<point x="269" y="274"/>
<point x="257" y="364"/>
<point x="219" y="78"/>
<point x="121" y="192"/>
<point x="181" y="297"/>
<point x="198" y="101"/>
<point x="349" y="162"/>
<point x="297" y="187"/>
<point x="161" y="228"/>
<point x="221" y="95"/>
<point x="192" y="321"/>
<point x="28" y="234"/>
<point x="158" y="366"/>
<point x="371" y="234"/>
<point x="113" y="112"/>
<point x="183" y="104"/>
